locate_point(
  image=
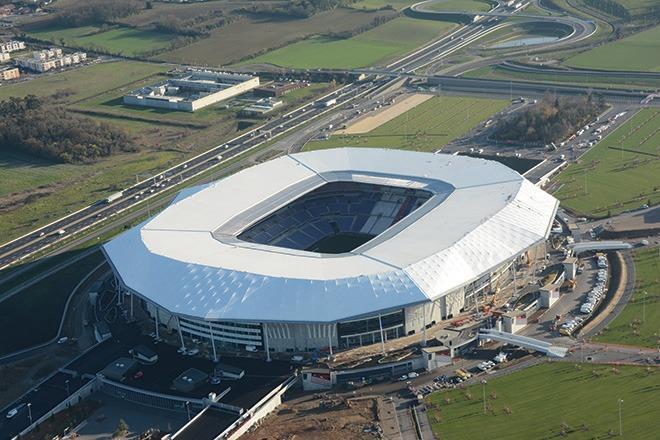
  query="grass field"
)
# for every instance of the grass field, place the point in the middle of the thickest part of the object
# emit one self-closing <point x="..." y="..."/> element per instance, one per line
<point x="637" y="52"/>
<point x="255" y="35"/>
<point x="33" y="316"/>
<point x="85" y="82"/>
<point x="535" y="402"/>
<point x="616" y="180"/>
<point x="497" y="72"/>
<point x="375" y="4"/>
<point x="117" y="40"/>
<point x="426" y="127"/>
<point x="629" y="327"/>
<point x="375" y="46"/>
<point x="461" y="5"/>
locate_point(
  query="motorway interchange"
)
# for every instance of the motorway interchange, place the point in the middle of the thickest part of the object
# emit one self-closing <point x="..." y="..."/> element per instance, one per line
<point x="42" y="239"/>
<point x="357" y="92"/>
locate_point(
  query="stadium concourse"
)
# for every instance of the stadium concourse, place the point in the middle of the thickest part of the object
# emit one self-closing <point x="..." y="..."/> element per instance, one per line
<point x="330" y="249"/>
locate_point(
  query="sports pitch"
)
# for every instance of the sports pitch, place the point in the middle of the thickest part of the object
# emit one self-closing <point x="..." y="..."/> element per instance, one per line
<point x="534" y="403"/>
<point x="620" y="173"/>
<point x="427" y="127"/>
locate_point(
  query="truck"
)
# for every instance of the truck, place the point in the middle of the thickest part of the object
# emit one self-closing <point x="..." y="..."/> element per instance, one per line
<point x="111" y="198"/>
<point x="325" y="102"/>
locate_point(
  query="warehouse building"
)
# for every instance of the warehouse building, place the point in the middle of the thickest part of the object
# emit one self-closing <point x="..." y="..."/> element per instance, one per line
<point x="192" y="91"/>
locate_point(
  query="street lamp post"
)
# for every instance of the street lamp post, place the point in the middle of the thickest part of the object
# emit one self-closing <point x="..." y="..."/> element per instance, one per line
<point x="188" y="409"/>
<point x="483" y="387"/>
<point x="620" y="420"/>
<point x="29" y="405"/>
<point x="644" y="308"/>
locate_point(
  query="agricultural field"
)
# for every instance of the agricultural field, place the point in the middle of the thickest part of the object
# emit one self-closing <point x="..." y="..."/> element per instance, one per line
<point x="637" y="52"/>
<point x="35" y="191"/>
<point x="376" y="46"/>
<point x="33" y="316"/>
<point x="637" y="324"/>
<point x="250" y="36"/>
<point x="376" y="4"/>
<point x="427" y="127"/>
<point x="552" y="400"/>
<point x="619" y="173"/>
<point x="461" y="5"/>
<point x="498" y="72"/>
<point x="85" y="82"/>
<point x="116" y="40"/>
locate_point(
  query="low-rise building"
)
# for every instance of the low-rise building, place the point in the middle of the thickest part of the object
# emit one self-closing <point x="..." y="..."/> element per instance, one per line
<point x="45" y="60"/>
<point x="4" y="56"/>
<point x="192" y="91"/>
<point x="261" y="107"/>
<point x="275" y="89"/>
<point x="9" y="73"/>
<point x="11" y="46"/>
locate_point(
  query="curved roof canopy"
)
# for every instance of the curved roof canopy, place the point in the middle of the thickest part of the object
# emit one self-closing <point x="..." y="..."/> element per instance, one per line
<point x="188" y="260"/>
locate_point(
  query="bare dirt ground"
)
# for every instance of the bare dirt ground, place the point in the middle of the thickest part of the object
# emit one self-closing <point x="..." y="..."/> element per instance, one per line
<point x="375" y="120"/>
<point x="320" y="417"/>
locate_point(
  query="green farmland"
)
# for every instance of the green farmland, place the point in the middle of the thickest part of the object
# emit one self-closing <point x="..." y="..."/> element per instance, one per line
<point x="85" y="82"/>
<point x="375" y="46"/>
<point x="426" y="127"/>
<point x="637" y="52"/>
<point x="116" y="40"/>
<point x="461" y="5"/>
<point x="620" y="81"/>
<point x="637" y="324"/>
<point x="621" y="172"/>
<point x="535" y="402"/>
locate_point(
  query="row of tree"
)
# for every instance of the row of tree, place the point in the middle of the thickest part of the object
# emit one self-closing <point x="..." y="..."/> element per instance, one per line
<point x="297" y="8"/>
<point x="98" y="12"/>
<point x="552" y="119"/>
<point x="41" y="128"/>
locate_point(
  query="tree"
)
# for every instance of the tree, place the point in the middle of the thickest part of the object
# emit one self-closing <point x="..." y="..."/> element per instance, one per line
<point x="122" y="429"/>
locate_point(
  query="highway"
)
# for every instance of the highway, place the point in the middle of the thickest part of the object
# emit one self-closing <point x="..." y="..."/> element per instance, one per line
<point x="61" y="229"/>
<point x="77" y="222"/>
<point x="50" y="234"/>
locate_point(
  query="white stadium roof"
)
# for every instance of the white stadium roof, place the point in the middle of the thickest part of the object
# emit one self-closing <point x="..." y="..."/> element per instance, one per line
<point x="188" y="260"/>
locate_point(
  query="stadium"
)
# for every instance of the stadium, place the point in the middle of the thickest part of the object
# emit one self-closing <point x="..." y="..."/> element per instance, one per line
<point x="334" y="248"/>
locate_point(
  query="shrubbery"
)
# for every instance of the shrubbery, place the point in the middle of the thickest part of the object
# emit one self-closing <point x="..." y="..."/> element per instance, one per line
<point x="551" y="119"/>
<point x="38" y="127"/>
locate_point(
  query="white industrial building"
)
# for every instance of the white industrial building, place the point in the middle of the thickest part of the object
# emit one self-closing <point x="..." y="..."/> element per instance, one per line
<point x="340" y="248"/>
<point x="195" y="90"/>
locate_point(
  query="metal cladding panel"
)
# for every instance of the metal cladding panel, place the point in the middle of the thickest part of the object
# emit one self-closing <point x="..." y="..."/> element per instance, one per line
<point x="519" y="225"/>
<point x="192" y="247"/>
<point x="222" y="200"/>
<point x="461" y="212"/>
<point x="490" y="216"/>
<point x="459" y="171"/>
<point x="221" y="294"/>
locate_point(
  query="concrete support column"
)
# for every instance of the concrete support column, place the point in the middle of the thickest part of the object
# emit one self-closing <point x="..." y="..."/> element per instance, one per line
<point x="178" y="325"/>
<point x="382" y="337"/>
<point x="265" y="330"/>
<point x="212" y="337"/>
<point x="424" y="325"/>
<point x="330" y="337"/>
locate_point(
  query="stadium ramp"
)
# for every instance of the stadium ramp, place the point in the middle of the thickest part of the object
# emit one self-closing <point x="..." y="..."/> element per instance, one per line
<point x="524" y="341"/>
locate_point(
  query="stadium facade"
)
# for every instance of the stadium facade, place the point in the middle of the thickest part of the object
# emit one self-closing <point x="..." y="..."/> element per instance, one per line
<point x="339" y="248"/>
